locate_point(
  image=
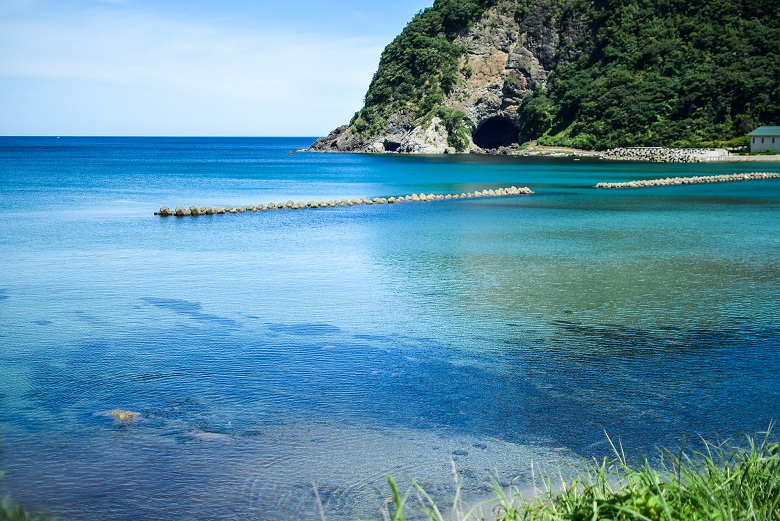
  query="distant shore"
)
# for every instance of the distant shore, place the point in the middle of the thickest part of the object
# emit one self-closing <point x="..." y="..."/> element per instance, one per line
<point x="649" y="154"/>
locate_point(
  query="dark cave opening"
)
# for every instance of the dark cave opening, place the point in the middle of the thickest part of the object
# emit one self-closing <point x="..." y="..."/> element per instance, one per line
<point x="495" y="132"/>
<point x="391" y="146"/>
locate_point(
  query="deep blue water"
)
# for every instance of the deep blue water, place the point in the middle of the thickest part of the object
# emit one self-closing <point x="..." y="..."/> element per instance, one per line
<point x="267" y="351"/>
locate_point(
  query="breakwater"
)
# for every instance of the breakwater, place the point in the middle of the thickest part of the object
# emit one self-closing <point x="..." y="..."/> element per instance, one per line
<point x="673" y="181"/>
<point x="665" y="155"/>
<point x="194" y="211"/>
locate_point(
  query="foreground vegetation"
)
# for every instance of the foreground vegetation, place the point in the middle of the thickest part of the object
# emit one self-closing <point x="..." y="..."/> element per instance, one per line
<point x="723" y="482"/>
<point x="10" y="511"/>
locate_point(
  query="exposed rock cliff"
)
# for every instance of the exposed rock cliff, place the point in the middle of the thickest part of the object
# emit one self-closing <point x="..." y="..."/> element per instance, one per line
<point x="478" y="75"/>
<point x="505" y="56"/>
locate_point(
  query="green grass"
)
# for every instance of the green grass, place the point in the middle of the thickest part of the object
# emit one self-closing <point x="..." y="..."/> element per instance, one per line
<point x="719" y="482"/>
<point x="722" y="482"/>
<point x="10" y="511"/>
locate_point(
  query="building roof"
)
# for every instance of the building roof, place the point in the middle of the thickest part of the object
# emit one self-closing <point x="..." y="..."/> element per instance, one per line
<point x="766" y="131"/>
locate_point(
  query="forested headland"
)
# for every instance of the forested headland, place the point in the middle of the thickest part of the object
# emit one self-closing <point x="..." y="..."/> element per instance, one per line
<point x="591" y="74"/>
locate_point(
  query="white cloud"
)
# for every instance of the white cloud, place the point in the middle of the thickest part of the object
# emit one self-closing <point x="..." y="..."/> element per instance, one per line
<point x="117" y="51"/>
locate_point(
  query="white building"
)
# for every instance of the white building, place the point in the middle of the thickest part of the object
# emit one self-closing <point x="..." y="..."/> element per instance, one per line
<point x="765" y="138"/>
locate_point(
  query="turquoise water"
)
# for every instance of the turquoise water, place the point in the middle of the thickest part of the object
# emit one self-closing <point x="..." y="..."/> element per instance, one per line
<point x="270" y="351"/>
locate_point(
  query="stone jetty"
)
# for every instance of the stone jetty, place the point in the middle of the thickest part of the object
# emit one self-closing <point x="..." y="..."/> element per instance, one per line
<point x="194" y="211"/>
<point x="665" y="155"/>
<point x="673" y="181"/>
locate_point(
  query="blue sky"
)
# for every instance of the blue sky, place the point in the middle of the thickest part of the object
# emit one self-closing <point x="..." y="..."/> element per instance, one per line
<point x="189" y="68"/>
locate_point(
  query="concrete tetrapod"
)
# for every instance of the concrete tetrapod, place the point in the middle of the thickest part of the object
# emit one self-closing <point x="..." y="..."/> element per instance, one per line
<point x="674" y="181"/>
<point x="195" y="211"/>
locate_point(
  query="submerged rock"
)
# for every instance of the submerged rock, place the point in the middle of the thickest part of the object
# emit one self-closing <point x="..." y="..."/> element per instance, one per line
<point x="122" y="415"/>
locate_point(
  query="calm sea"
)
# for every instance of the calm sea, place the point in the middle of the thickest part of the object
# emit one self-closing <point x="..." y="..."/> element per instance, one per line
<point x="270" y="351"/>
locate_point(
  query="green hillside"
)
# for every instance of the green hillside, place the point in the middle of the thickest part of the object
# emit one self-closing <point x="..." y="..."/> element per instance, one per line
<point x="420" y="66"/>
<point x="652" y="73"/>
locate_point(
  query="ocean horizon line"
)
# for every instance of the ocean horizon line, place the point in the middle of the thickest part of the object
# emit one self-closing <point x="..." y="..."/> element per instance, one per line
<point x="152" y="136"/>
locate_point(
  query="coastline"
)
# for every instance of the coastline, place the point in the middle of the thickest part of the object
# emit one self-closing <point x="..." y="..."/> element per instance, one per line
<point x="738" y="159"/>
<point x="647" y="154"/>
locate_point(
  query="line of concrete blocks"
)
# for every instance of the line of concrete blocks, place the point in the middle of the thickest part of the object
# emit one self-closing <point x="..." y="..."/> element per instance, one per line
<point x="664" y="155"/>
<point x="672" y="181"/>
<point x="195" y="211"/>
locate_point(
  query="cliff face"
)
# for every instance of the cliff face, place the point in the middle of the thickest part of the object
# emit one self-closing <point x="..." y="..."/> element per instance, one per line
<point x="476" y="75"/>
<point x="506" y="55"/>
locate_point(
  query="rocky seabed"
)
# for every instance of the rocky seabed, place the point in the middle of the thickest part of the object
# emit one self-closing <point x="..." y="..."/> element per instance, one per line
<point x="673" y="181"/>
<point x="664" y="155"/>
<point x="194" y="211"/>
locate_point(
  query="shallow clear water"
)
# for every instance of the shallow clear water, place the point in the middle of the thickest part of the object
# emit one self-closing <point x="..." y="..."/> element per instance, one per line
<point x="268" y="351"/>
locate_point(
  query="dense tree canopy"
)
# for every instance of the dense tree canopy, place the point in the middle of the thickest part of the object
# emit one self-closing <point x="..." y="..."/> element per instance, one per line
<point x="670" y="72"/>
<point x="659" y="72"/>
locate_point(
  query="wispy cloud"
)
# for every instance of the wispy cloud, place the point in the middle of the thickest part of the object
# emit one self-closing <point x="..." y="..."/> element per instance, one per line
<point x="145" y="49"/>
<point x="110" y="45"/>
